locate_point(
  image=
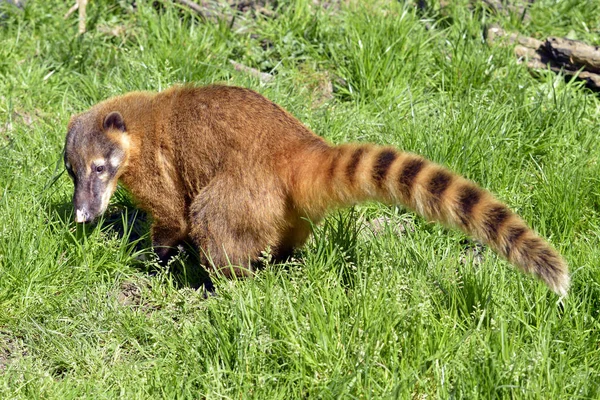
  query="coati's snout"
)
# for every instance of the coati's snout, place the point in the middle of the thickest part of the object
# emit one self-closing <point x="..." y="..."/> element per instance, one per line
<point x="94" y="157"/>
<point x="93" y="188"/>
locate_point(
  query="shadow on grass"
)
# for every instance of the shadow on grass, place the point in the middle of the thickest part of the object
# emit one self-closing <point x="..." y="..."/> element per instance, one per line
<point x="132" y="226"/>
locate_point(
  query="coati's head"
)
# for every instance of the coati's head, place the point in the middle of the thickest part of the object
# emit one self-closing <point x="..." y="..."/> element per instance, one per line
<point x="96" y="152"/>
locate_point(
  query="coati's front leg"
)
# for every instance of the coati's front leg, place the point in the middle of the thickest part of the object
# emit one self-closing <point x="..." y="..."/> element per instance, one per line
<point x="165" y="238"/>
<point x="169" y="218"/>
<point x="169" y="228"/>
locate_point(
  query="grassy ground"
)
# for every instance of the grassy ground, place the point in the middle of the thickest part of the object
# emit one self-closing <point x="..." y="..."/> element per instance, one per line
<point x="412" y="310"/>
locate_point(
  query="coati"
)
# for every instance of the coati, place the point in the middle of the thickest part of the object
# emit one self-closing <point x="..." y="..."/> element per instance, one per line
<point x="236" y="174"/>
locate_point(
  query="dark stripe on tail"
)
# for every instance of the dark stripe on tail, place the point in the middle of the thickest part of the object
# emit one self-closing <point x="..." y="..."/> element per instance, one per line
<point x="353" y="164"/>
<point x="409" y="172"/>
<point x="512" y="236"/>
<point x="439" y="182"/>
<point x="382" y="165"/>
<point x="494" y="218"/>
<point x="545" y="258"/>
<point x="540" y="258"/>
<point x="437" y="185"/>
<point x="468" y="197"/>
<point x="334" y="163"/>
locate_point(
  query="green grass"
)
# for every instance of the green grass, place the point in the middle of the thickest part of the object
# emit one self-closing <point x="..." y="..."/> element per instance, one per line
<point x="404" y="313"/>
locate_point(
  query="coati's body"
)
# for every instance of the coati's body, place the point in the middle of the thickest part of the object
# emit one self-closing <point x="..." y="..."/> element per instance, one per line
<point x="236" y="174"/>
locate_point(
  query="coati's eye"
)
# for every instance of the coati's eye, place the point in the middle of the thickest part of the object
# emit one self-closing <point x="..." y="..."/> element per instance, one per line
<point x="100" y="168"/>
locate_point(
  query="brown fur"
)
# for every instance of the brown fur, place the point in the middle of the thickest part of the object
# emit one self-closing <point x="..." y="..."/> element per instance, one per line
<point x="236" y="173"/>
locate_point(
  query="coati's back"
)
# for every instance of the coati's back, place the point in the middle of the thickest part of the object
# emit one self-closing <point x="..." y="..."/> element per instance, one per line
<point x="205" y="130"/>
<point x="200" y="145"/>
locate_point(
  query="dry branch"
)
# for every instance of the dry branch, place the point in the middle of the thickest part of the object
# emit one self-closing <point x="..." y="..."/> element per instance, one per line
<point x="197" y="8"/>
<point x="204" y="12"/>
<point x="82" y="7"/>
<point x="71" y="11"/>
<point x="262" y="76"/>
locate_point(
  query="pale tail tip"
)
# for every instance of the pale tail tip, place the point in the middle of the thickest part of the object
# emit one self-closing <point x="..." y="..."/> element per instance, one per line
<point x="561" y="287"/>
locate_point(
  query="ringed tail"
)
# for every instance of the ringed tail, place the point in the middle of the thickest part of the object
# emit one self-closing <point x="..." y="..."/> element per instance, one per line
<point x="353" y="173"/>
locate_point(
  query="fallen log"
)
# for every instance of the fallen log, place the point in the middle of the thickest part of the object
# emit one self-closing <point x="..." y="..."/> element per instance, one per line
<point x="572" y="58"/>
<point x="574" y="53"/>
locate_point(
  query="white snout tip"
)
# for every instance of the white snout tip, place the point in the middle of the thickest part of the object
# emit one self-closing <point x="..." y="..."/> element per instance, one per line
<point x="79" y="216"/>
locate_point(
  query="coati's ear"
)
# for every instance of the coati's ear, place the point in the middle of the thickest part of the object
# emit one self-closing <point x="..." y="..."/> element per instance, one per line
<point x="114" y="120"/>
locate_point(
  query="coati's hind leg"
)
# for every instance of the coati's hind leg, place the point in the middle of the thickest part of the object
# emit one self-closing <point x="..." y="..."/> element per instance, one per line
<point x="231" y="223"/>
